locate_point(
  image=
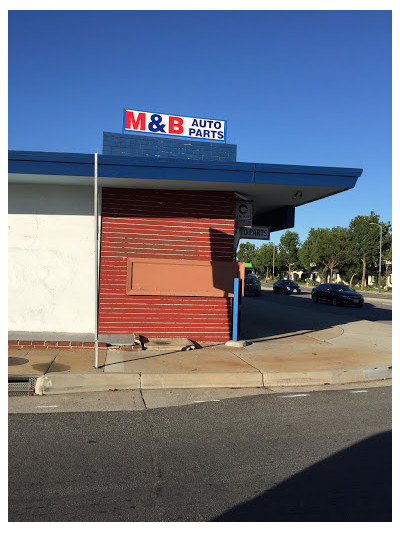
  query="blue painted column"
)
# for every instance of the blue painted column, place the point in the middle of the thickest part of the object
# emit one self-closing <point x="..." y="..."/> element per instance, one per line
<point x="235" y="321"/>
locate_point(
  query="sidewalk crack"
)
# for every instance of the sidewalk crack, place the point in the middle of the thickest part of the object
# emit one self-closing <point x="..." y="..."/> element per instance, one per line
<point x="50" y="365"/>
<point x="143" y="400"/>
<point x="247" y="363"/>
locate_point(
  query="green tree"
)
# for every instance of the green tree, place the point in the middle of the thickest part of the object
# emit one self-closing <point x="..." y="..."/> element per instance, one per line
<point x="246" y="252"/>
<point x="326" y="249"/>
<point x="365" y="238"/>
<point x="264" y="259"/>
<point x="387" y="256"/>
<point x="289" y="246"/>
<point x="351" y="272"/>
<point x="335" y="248"/>
<point x="307" y="255"/>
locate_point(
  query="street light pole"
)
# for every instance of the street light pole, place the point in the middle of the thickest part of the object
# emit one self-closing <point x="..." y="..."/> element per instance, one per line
<point x="273" y="263"/>
<point x="380" y="252"/>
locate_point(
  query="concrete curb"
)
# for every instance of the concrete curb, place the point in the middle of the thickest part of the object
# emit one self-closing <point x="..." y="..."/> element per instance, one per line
<point x="61" y="383"/>
<point x="314" y="377"/>
<point x="381" y="372"/>
<point x="202" y="380"/>
<point x="377" y="299"/>
<point x="326" y="377"/>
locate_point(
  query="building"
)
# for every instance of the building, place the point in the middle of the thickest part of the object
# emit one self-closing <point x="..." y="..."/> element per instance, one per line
<point x="166" y="215"/>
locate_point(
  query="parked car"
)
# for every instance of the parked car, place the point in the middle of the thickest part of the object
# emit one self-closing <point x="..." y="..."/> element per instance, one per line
<point x="252" y="285"/>
<point x="337" y="294"/>
<point x="285" y="286"/>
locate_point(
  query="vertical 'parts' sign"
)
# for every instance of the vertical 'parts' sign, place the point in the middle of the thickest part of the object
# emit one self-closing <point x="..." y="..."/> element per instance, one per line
<point x="200" y="128"/>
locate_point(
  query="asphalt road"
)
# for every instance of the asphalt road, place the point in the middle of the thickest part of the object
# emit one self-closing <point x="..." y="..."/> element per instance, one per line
<point x="370" y="311"/>
<point x="316" y="456"/>
<point x="278" y="314"/>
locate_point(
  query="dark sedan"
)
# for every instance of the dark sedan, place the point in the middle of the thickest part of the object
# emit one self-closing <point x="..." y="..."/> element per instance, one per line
<point x="337" y="294"/>
<point x="285" y="286"/>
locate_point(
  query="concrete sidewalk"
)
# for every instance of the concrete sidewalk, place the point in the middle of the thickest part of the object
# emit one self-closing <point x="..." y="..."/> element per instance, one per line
<point x="330" y="356"/>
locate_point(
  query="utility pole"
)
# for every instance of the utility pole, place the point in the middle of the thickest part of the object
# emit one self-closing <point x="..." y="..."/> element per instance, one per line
<point x="380" y="252"/>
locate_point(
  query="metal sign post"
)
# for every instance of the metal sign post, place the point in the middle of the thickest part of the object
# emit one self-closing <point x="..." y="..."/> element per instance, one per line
<point x="96" y="341"/>
<point x="273" y="263"/>
<point x="236" y="239"/>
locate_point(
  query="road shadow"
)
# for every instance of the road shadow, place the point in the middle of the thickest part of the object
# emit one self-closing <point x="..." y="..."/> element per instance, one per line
<point x="354" y="485"/>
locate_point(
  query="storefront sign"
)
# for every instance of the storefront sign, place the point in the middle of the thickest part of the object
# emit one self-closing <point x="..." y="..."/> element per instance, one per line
<point x="255" y="232"/>
<point x="150" y="122"/>
<point x="243" y="213"/>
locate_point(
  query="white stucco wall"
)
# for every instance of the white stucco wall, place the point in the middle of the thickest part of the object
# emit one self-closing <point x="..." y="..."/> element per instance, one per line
<point x="51" y="258"/>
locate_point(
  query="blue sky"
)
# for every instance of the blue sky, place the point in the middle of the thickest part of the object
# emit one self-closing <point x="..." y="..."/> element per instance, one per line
<point x="296" y="87"/>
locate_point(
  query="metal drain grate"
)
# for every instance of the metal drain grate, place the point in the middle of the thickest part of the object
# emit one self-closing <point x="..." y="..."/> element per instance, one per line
<point x="21" y="388"/>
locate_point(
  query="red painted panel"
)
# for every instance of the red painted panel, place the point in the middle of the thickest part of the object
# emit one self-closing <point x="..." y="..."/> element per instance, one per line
<point x="171" y="225"/>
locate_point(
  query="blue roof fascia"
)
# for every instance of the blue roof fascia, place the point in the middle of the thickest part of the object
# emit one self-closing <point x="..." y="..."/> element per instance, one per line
<point x="49" y="156"/>
<point x="65" y="164"/>
<point x="302" y="169"/>
<point x="180" y="172"/>
<point x="50" y="163"/>
<point x="305" y="180"/>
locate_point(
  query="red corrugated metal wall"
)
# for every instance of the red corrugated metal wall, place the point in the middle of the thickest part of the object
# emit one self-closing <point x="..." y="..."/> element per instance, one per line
<point x="164" y="224"/>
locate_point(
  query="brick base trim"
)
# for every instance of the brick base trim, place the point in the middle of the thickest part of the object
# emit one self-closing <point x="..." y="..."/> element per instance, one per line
<point x="43" y="345"/>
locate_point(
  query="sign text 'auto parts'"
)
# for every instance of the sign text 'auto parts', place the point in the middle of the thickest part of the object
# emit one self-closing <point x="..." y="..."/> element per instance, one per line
<point x="199" y="128"/>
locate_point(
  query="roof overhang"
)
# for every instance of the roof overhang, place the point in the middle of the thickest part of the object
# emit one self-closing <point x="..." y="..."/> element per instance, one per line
<point x="274" y="189"/>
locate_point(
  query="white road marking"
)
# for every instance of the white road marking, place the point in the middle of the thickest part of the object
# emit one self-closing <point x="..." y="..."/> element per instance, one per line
<point x="294" y="395"/>
<point x="45" y="406"/>
<point x="355" y="391"/>
<point x="205" y="401"/>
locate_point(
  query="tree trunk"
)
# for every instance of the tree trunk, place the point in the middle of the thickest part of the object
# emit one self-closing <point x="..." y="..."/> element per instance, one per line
<point x="325" y="274"/>
<point x="331" y="274"/>
<point x="364" y="263"/>
<point x="351" y="279"/>
<point x="387" y="277"/>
